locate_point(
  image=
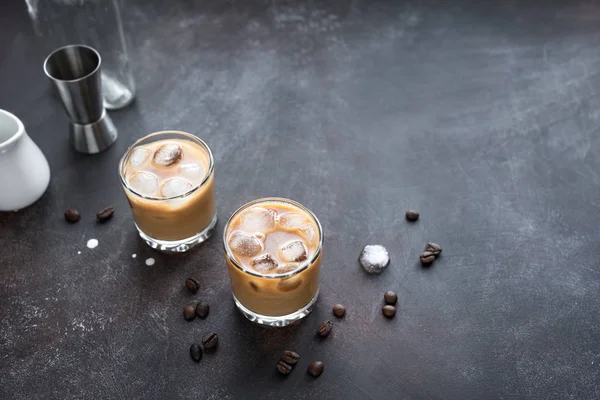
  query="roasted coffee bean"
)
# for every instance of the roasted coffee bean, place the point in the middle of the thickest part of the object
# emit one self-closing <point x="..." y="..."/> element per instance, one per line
<point x="426" y="258"/>
<point x="339" y="310"/>
<point x="284" y="368"/>
<point x="434" y="248"/>
<point x="72" y="215"/>
<point x="192" y="284"/>
<point x="412" y="215"/>
<point x="390" y="297"/>
<point x="105" y="214"/>
<point x="196" y="352"/>
<point x="167" y="154"/>
<point x="316" y="368"/>
<point x="210" y="340"/>
<point x="389" y="311"/>
<point x="189" y="313"/>
<point x="324" y="328"/>
<point x="202" y="309"/>
<point x="290" y="357"/>
<point x="254" y="286"/>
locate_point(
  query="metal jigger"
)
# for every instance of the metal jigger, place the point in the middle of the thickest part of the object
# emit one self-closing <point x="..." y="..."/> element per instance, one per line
<point x="75" y="71"/>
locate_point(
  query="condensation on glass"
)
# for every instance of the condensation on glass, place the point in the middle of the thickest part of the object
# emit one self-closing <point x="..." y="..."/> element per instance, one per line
<point x="96" y="23"/>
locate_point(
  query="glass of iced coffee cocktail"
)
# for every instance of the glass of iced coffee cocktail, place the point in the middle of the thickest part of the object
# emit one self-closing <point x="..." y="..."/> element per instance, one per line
<point x="168" y="179"/>
<point x="273" y="248"/>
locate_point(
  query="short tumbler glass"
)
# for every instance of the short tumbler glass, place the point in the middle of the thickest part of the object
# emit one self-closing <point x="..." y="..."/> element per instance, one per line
<point x="172" y="223"/>
<point x="275" y="299"/>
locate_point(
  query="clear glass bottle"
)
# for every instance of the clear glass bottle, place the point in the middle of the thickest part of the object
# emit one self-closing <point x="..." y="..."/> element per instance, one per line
<point x="96" y="23"/>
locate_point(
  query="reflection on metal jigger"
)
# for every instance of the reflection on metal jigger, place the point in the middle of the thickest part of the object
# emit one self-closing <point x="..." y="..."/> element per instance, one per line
<point x="75" y="72"/>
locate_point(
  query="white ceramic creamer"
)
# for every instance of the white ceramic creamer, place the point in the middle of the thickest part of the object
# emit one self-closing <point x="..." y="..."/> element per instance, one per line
<point x="24" y="171"/>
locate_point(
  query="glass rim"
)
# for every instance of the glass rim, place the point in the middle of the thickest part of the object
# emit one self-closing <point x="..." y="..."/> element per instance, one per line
<point x="298" y="270"/>
<point x="189" y="192"/>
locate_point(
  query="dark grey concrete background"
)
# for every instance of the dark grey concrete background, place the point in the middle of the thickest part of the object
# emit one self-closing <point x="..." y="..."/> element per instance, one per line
<point x="485" y="118"/>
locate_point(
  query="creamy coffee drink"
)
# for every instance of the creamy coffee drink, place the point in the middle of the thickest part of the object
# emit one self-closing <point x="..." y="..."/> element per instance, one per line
<point x="273" y="251"/>
<point x="169" y="183"/>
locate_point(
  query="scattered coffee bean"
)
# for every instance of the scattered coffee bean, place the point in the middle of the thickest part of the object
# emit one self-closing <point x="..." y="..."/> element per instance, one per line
<point x="196" y="352"/>
<point x="290" y="357"/>
<point x="426" y="258"/>
<point x="389" y="311"/>
<point x="324" y="328"/>
<point x="390" y="297"/>
<point x="72" y="215"/>
<point x="284" y="368"/>
<point x="412" y="215"/>
<point x="210" y="340"/>
<point x="105" y="214"/>
<point x="434" y="248"/>
<point x="192" y="284"/>
<point x="202" y="309"/>
<point x="339" y="310"/>
<point x="316" y="368"/>
<point x="189" y="313"/>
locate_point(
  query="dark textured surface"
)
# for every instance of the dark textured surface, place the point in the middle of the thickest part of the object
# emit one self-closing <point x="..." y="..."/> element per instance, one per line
<point x="485" y="119"/>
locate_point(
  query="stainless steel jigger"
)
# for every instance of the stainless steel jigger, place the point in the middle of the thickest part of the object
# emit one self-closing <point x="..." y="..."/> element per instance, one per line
<point x="75" y="71"/>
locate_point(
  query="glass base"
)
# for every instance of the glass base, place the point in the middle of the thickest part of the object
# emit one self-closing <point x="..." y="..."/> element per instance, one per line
<point x="179" y="246"/>
<point x="283" y="320"/>
<point x="115" y="94"/>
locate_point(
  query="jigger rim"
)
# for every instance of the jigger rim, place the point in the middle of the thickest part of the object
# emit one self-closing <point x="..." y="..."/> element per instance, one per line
<point x="49" y="75"/>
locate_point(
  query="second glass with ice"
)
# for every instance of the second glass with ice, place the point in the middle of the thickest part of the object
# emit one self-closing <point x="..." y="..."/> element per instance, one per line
<point x="273" y="249"/>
